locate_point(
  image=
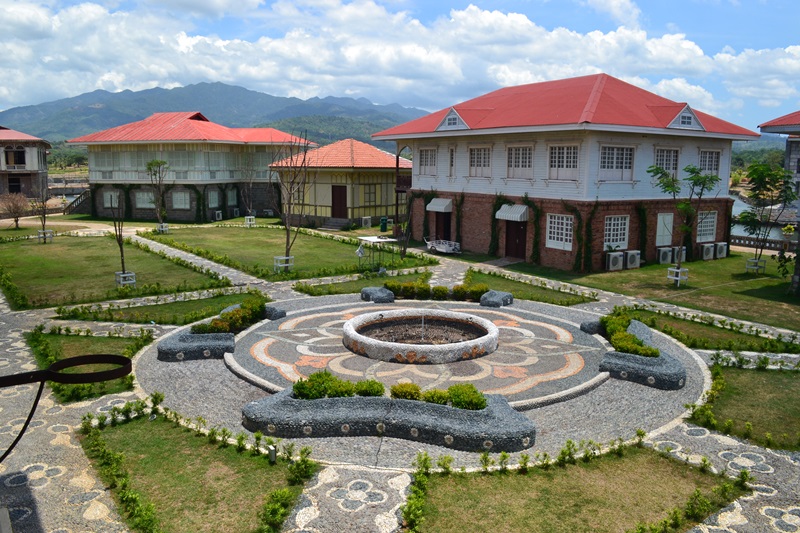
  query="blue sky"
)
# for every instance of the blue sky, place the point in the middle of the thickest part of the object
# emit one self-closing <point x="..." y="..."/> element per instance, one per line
<point x="737" y="59"/>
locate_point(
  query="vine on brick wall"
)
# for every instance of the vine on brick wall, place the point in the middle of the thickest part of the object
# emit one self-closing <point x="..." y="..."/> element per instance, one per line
<point x="459" y="218"/>
<point x="426" y="199"/>
<point x="578" y="232"/>
<point x="535" y="257"/>
<point x="494" y="243"/>
<point x="199" y="208"/>
<point x="641" y="212"/>
<point x="587" y="251"/>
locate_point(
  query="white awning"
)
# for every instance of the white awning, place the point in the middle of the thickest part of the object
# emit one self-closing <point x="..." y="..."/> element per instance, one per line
<point x="514" y="213"/>
<point x="440" y="205"/>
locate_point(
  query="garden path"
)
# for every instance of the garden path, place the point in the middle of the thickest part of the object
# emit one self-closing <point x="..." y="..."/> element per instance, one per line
<point x="48" y="484"/>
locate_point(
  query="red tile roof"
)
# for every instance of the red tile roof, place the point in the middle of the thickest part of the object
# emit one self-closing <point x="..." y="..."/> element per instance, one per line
<point x="184" y="127"/>
<point x="7" y="134"/>
<point x="792" y="119"/>
<point x="348" y="153"/>
<point x="599" y="99"/>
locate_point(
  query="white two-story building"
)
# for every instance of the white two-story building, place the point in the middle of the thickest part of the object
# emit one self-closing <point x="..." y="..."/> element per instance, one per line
<point x="23" y="166"/>
<point x="556" y="172"/>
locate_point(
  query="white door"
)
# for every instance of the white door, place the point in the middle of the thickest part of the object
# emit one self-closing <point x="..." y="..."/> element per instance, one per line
<point x="664" y="230"/>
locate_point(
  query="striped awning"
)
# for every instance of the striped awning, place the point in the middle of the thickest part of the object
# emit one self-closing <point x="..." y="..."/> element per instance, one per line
<point x="440" y="205"/>
<point x="514" y="213"/>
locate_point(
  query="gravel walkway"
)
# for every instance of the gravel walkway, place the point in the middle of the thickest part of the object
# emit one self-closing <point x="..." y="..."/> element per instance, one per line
<point x="48" y="485"/>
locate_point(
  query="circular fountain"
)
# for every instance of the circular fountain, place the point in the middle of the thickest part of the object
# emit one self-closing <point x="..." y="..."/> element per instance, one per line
<point x="420" y="336"/>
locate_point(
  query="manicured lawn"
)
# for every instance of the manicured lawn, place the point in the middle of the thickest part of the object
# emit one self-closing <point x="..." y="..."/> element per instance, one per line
<point x="765" y="398"/>
<point x="73" y="270"/>
<point x="194" y="486"/>
<point x="609" y="494"/>
<point x="178" y="313"/>
<point x="253" y="249"/>
<point x="355" y="285"/>
<point x="526" y="291"/>
<point x="719" y="286"/>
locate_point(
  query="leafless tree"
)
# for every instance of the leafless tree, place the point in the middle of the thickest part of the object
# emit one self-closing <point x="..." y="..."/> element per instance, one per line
<point x="157" y="171"/>
<point x="15" y="206"/>
<point x="248" y="172"/>
<point x="38" y="203"/>
<point x="293" y="181"/>
<point x="117" y="207"/>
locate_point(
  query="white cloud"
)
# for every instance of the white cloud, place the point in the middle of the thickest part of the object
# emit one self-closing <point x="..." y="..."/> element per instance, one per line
<point x="623" y="12"/>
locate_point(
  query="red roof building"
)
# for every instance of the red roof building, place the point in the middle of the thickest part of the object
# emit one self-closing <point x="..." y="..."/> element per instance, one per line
<point x="789" y="125"/>
<point x="556" y="172"/>
<point x="213" y="172"/>
<point x="23" y="166"/>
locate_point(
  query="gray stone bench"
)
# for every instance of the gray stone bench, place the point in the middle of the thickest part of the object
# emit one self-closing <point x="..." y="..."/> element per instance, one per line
<point x="496" y="428"/>
<point x="496" y="298"/>
<point x="188" y="346"/>
<point x="378" y="295"/>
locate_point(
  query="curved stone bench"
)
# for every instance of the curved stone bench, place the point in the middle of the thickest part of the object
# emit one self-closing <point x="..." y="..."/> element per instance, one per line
<point x="187" y="346"/>
<point x="498" y="427"/>
<point x="664" y="372"/>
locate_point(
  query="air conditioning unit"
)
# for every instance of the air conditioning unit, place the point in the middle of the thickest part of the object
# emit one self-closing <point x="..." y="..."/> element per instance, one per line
<point x="707" y="251"/>
<point x="664" y="256"/>
<point x="366" y="222"/>
<point x="235" y="212"/>
<point x="721" y="250"/>
<point x="678" y="251"/>
<point x="633" y="259"/>
<point x="614" y="260"/>
<point x="217" y="215"/>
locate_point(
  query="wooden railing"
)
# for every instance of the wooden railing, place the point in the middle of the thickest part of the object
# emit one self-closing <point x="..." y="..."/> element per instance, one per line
<point x="769" y="244"/>
<point x="73" y="206"/>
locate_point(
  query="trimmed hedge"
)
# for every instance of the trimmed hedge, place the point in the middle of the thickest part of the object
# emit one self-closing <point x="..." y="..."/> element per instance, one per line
<point x="616" y="331"/>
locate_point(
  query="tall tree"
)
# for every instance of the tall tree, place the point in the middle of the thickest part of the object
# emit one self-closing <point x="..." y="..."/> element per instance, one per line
<point x="15" y="206"/>
<point x="771" y="193"/>
<point x="157" y="171"/>
<point x="687" y="201"/>
<point x="248" y="170"/>
<point x="293" y="181"/>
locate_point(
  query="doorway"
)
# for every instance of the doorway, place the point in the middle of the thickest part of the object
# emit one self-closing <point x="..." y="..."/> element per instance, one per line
<point x="443" y="226"/>
<point x="339" y="201"/>
<point x="14" y="185"/>
<point x="516" y="239"/>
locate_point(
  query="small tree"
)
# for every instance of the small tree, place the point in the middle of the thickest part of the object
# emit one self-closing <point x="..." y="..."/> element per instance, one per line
<point x="771" y="192"/>
<point x="248" y="177"/>
<point x="38" y="204"/>
<point x="293" y="181"/>
<point x="698" y="184"/>
<point x="157" y="171"/>
<point x="15" y="206"/>
<point x="118" y="217"/>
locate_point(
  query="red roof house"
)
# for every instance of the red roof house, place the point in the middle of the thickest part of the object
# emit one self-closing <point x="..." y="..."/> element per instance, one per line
<point x="23" y="166"/>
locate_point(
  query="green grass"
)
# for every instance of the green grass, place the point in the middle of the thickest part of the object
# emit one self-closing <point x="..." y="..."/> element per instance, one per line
<point x="73" y="270"/>
<point x="177" y="313"/>
<point x="609" y="494"/>
<point x="252" y="250"/>
<point x="765" y="398"/>
<point x="719" y="286"/>
<point x="526" y="291"/>
<point x="194" y="486"/>
<point x="352" y="286"/>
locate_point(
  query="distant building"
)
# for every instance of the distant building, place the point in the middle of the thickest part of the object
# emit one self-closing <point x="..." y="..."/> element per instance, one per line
<point x="789" y="125"/>
<point x="556" y="172"/>
<point x="349" y="180"/>
<point x="214" y="171"/>
<point x="23" y="167"/>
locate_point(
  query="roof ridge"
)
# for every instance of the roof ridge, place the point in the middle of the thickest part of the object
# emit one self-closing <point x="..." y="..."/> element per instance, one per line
<point x="594" y="99"/>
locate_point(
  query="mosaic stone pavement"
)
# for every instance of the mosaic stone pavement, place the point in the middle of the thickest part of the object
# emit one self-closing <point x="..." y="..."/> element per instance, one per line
<point x="48" y="485"/>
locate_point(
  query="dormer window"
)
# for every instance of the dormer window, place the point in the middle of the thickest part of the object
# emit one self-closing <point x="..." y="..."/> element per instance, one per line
<point x="686" y="120"/>
<point x="452" y="120"/>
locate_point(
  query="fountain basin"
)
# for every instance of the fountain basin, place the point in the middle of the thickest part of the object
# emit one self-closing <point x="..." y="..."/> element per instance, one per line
<point x="420" y="336"/>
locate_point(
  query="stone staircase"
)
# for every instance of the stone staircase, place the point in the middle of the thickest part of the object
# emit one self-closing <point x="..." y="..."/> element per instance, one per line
<point x="334" y="224"/>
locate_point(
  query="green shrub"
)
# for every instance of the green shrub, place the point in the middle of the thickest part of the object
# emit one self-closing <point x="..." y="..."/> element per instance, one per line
<point x="459" y="292"/>
<point x="405" y="391"/>
<point x="440" y="292"/>
<point x="466" y="396"/>
<point x="276" y="510"/>
<point x="477" y="290"/>
<point x="423" y="291"/>
<point x="341" y="388"/>
<point x="622" y="341"/>
<point x="369" y="387"/>
<point x="393" y="286"/>
<point x="436" y="396"/>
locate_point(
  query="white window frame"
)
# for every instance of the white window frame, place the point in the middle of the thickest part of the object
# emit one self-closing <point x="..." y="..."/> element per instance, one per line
<point x="480" y="162"/>
<point x="181" y="200"/>
<point x="615" y="235"/>
<point x="520" y="162"/>
<point x="667" y="158"/>
<point x="559" y="231"/>
<point x="145" y="200"/>
<point x="427" y="161"/>
<point x="213" y="199"/>
<point x="110" y="199"/>
<point x="563" y="161"/>
<point x="709" y="161"/>
<point x="706" y="226"/>
<point x="616" y="163"/>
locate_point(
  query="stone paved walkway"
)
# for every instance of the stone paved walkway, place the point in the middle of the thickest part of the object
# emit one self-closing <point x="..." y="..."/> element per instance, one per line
<point x="49" y="486"/>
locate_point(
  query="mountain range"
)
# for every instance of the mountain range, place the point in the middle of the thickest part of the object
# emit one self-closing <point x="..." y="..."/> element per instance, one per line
<point x="323" y="120"/>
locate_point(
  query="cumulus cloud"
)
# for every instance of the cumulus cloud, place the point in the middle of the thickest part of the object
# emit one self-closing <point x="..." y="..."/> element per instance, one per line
<point x="308" y="48"/>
